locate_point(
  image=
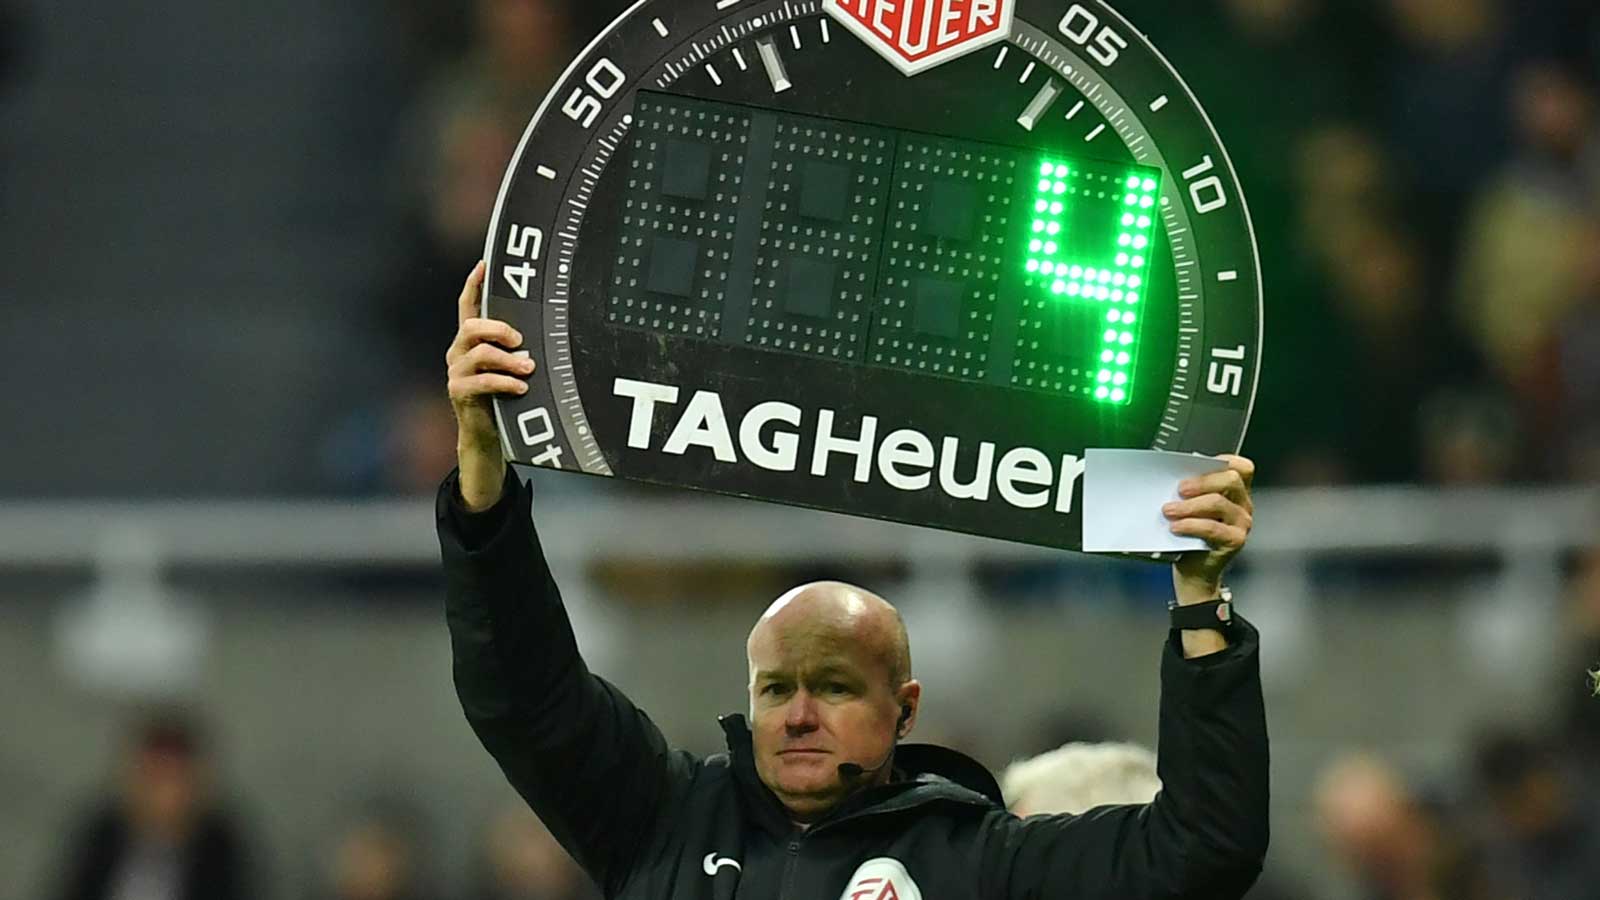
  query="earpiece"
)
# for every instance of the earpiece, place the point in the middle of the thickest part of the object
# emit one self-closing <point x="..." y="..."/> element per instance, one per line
<point x="852" y="771"/>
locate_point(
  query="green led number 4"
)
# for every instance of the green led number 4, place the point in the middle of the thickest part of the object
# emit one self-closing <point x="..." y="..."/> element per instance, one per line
<point x="1107" y="268"/>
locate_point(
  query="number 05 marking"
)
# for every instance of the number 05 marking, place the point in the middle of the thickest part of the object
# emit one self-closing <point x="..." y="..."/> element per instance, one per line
<point x="1083" y="28"/>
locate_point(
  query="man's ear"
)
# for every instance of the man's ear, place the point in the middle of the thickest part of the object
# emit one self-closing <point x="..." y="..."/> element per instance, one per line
<point x="910" y="699"/>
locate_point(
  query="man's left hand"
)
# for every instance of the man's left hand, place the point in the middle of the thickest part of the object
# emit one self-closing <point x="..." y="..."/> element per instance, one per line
<point x="1217" y="509"/>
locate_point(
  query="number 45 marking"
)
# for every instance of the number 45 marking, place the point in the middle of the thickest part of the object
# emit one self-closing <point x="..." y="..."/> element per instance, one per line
<point x="524" y="243"/>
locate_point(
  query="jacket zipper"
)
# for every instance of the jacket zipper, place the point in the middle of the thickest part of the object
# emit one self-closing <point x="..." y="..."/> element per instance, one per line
<point x="789" y="868"/>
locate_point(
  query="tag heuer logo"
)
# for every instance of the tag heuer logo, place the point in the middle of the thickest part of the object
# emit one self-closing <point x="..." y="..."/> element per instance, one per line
<point x="920" y="34"/>
<point x="883" y="878"/>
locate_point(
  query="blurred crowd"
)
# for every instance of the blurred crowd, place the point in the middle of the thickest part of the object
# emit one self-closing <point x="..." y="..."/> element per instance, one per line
<point x="1423" y="175"/>
<point x="478" y="70"/>
<point x="166" y="830"/>
<point x="1515" y="815"/>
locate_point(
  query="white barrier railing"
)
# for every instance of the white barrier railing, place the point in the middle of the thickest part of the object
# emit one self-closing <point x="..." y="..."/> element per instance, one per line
<point x="574" y="529"/>
<point x="125" y="633"/>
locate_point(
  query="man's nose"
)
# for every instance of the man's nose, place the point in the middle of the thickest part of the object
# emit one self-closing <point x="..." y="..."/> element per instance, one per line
<point x="802" y="713"/>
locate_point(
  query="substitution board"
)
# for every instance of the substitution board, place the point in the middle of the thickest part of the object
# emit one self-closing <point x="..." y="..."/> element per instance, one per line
<point x="905" y="259"/>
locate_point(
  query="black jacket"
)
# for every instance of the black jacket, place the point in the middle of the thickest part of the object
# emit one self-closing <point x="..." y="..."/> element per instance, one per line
<point x="651" y="823"/>
<point x="212" y="865"/>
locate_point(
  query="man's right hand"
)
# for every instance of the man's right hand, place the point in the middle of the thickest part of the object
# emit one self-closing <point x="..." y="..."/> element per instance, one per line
<point x="481" y="363"/>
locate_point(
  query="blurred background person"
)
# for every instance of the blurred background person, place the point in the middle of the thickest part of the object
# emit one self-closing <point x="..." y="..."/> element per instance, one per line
<point x="1543" y="841"/>
<point x="379" y="856"/>
<point x="1080" y="776"/>
<point x="1468" y="438"/>
<point x="520" y="860"/>
<point x="1077" y="777"/>
<point x="453" y="150"/>
<point x="163" y="836"/>
<point x="1397" y="846"/>
<point x="1526" y="258"/>
<point x="1565" y="415"/>
<point x="1446" y="59"/>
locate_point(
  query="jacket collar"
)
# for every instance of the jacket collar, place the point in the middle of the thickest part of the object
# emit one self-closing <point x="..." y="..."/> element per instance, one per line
<point x="922" y="774"/>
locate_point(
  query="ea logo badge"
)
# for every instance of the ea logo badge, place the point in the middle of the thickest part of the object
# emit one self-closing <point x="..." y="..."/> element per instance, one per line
<point x="882" y="878"/>
<point x="920" y="34"/>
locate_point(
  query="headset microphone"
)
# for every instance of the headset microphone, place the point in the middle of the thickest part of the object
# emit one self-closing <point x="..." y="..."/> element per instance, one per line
<point x="849" y="771"/>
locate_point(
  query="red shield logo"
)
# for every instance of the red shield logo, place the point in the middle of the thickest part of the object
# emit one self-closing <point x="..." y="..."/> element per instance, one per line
<point x="920" y="34"/>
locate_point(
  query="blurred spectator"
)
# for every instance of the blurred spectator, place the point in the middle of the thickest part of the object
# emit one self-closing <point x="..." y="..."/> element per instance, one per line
<point x="162" y="838"/>
<point x="1396" y="846"/>
<point x="466" y="125"/>
<point x="454" y="156"/>
<point x="1579" y="723"/>
<point x="522" y="861"/>
<point x="1341" y="185"/>
<point x="1531" y="230"/>
<point x="1469" y="438"/>
<point x="1389" y="324"/>
<point x="379" y="857"/>
<point x="1544" y="842"/>
<point x="1222" y="44"/>
<point x="404" y="439"/>
<point x="1078" y="777"/>
<point x="1362" y="350"/>
<point x="522" y="45"/>
<point x="1450" y="56"/>
<point x="1573" y="432"/>
<point x="467" y="159"/>
<point x="1344" y="180"/>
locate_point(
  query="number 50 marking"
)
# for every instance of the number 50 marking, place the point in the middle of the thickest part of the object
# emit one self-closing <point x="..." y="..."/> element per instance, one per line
<point x="605" y="79"/>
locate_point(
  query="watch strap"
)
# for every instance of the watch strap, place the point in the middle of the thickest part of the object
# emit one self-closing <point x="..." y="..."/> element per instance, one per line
<point x="1214" y="614"/>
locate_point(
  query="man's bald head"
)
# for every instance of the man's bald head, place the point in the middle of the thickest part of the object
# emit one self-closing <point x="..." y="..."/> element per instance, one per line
<point x="830" y="691"/>
<point x="821" y="616"/>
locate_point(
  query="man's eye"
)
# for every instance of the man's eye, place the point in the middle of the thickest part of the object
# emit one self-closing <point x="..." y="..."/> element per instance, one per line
<point x="774" y="689"/>
<point x="837" y="688"/>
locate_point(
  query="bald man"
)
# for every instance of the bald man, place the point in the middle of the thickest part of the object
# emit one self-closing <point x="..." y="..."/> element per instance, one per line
<point x="816" y="797"/>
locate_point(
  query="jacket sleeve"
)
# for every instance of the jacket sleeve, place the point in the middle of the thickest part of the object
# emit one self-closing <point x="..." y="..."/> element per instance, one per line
<point x="592" y="765"/>
<point x="1203" y="836"/>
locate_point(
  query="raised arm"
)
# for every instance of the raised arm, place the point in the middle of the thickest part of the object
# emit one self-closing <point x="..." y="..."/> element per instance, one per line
<point x="1205" y="834"/>
<point x="482" y="361"/>
<point x="590" y="763"/>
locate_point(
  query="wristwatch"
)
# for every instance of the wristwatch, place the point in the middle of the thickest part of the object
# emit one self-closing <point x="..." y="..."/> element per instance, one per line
<point x="1216" y="615"/>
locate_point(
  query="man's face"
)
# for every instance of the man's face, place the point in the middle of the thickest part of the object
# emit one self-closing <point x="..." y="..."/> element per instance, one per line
<point x="164" y="793"/>
<point x="820" y="696"/>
